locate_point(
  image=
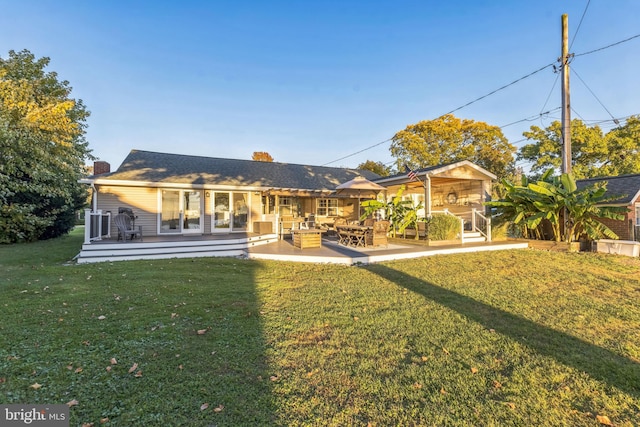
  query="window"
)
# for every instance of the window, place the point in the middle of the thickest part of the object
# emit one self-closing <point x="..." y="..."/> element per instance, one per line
<point x="268" y="204"/>
<point x="638" y="215"/>
<point x="327" y="207"/>
<point x="284" y="206"/>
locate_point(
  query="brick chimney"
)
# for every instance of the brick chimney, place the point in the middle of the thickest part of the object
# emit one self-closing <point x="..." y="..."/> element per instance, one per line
<point x="100" y="167"/>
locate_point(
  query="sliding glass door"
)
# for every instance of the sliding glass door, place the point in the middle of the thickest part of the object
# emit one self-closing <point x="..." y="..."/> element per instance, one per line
<point x="221" y="212"/>
<point x="181" y="212"/>
<point x="240" y="211"/>
<point x="230" y="211"/>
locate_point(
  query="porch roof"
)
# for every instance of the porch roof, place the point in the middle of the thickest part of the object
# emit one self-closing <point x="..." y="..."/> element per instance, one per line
<point x="458" y="171"/>
<point x="163" y="168"/>
<point x="625" y="186"/>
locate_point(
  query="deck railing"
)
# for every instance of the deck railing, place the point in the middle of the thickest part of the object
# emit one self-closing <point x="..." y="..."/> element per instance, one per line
<point x="96" y="225"/>
<point x="481" y="224"/>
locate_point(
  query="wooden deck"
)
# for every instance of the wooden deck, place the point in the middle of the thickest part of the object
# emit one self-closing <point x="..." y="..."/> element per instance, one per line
<point x="334" y="253"/>
<point x="268" y="246"/>
<point x="179" y="246"/>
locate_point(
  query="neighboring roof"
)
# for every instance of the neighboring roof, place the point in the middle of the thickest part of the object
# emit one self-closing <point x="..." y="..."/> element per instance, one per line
<point x="152" y="167"/>
<point x="625" y="186"/>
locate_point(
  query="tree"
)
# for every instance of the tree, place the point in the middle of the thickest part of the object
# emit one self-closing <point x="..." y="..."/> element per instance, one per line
<point x="375" y="167"/>
<point x="42" y="150"/>
<point x="623" y="147"/>
<point x="449" y="139"/>
<point x="593" y="154"/>
<point x="261" y="156"/>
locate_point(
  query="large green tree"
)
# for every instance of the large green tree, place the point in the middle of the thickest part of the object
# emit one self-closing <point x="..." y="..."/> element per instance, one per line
<point x="42" y="150"/>
<point x="375" y="167"/>
<point x="593" y="153"/>
<point x="623" y="143"/>
<point x="449" y="139"/>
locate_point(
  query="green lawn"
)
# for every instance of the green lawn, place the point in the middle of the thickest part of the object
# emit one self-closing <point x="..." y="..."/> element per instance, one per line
<point x="503" y="338"/>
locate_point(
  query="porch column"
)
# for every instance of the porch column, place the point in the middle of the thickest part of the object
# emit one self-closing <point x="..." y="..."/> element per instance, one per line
<point x="427" y="195"/>
<point x="87" y="226"/>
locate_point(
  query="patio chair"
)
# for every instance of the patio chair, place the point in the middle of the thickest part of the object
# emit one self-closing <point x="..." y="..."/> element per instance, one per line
<point x="380" y="230"/>
<point x="126" y="228"/>
<point x="287" y="225"/>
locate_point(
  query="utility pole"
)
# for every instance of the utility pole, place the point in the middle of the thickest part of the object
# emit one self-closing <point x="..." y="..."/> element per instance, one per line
<point x="566" y="104"/>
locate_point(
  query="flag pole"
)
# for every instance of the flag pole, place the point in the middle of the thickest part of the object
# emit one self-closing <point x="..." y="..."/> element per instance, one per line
<point x="427" y="189"/>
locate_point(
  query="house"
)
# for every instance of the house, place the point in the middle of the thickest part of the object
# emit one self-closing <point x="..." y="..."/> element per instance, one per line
<point x="626" y="189"/>
<point x="205" y="206"/>
<point x="172" y="194"/>
<point x="179" y="194"/>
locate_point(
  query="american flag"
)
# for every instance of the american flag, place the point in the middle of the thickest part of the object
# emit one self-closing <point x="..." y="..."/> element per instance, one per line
<point x="411" y="174"/>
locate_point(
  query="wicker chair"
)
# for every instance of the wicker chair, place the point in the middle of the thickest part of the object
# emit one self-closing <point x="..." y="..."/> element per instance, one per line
<point x="379" y="234"/>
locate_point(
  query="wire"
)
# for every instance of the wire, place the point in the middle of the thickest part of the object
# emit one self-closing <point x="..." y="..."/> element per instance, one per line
<point x="577" y="114"/>
<point x="452" y="111"/>
<point x="607" y="47"/>
<point x="553" y="87"/>
<point x="589" y="89"/>
<point x="580" y="23"/>
<point x="530" y="118"/>
<point x="499" y="89"/>
<point x="358" y="152"/>
<point x="503" y="87"/>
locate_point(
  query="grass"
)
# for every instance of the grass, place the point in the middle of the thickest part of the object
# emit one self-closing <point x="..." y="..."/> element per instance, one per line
<point x="504" y="338"/>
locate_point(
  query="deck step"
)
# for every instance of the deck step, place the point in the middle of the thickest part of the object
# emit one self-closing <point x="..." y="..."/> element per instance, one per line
<point x="473" y="237"/>
<point x="231" y="247"/>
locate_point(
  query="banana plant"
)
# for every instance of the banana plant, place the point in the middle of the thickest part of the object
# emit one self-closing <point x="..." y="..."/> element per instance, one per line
<point x="554" y="198"/>
<point x="401" y="213"/>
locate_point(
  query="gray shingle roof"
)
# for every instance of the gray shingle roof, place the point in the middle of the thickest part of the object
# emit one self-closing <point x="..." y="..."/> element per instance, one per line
<point x="625" y="186"/>
<point x="148" y="166"/>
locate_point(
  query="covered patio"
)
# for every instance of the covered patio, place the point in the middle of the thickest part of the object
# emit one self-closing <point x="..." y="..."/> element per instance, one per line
<point x="458" y="189"/>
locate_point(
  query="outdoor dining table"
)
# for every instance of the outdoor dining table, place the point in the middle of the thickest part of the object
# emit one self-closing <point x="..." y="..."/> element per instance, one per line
<point x="353" y="235"/>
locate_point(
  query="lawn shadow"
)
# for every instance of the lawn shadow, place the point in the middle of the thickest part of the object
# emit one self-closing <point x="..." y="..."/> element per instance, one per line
<point x="238" y="369"/>
<point x="599" y="363"/>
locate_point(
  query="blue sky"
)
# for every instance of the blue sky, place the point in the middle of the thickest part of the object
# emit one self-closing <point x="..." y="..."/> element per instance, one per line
<point x="314" y="82"/>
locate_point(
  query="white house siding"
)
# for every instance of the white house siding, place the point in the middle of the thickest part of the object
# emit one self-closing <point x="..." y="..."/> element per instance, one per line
<point x="143" y="201"/>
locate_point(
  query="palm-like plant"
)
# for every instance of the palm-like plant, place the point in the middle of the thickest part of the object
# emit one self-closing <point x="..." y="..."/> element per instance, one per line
<point x="585" y="208"/>
<point x="553" y="198"/>
<point x="401" y="213"/>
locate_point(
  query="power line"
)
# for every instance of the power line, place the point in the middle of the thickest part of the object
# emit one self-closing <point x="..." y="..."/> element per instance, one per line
<point x="502" y="88"/>
<point x="358" y="152"/>
<point x="553" y="87"/>
<point x="499" y="89"/>
<point x="592" y="93"/>
<point x="530" y="118"/>
<point x="580" y="23"/>
<point x="452" y="111"/>
<point x="607" y="47"/>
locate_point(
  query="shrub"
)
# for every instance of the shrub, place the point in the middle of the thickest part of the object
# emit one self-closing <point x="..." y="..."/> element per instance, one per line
<point x="443" y="227"/>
